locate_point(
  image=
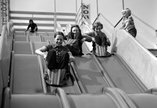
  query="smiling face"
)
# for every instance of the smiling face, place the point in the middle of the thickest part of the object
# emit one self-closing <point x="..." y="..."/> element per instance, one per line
<point x="124" y="13"/>
<point x="98" y="28"/>
<point x="75" y="30"/>
<point x="59" y="40"/>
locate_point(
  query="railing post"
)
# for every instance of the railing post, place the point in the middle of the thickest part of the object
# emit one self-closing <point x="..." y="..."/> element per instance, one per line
<point x="55" y="23"/>
<point x="122" y="4"/>
<point x="97" y="5"/>
<point x="76" y="5"/>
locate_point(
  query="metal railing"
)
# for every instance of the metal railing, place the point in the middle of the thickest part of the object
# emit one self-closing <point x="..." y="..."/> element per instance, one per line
<point x="146" y="34"/>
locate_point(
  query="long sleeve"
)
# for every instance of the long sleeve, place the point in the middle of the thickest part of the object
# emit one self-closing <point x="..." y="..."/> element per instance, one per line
<point x="28" y="27"/>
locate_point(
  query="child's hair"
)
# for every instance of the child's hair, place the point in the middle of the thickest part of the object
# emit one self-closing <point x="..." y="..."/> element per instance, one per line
<point x="97" y="24"/>
<point x="77" y="26"/>
<point x="128" y="11"/>
<point x="30" y="20"/>
<point x="71" y="33"/>
<point x="58" y="33"/>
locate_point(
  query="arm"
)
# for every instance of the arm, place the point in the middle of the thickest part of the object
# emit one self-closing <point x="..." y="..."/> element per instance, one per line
<point x="28" y="27"/>
<point x="123" y="24"/>
<point x="129" y="22"/>
<point x="87" y="37"/>
<point x="71" y="57"/>
<point x="36" y="27"/>
<point x="40" y="51"/>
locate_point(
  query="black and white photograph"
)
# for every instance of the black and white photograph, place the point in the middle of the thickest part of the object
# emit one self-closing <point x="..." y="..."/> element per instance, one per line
<point x="78" y="53"/>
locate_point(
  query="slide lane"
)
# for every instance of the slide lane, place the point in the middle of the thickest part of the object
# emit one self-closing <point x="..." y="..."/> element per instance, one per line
<point x="26" y="75"/>
<point x="70" y="89"/>
<point x="122" y="76"/>
<point x="90" y="74"/>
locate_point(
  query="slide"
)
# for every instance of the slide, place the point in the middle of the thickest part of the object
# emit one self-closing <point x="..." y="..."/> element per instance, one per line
<point x="90" y="74"/>
<point x="121" y="74"/>
<point x="116" y="71"/>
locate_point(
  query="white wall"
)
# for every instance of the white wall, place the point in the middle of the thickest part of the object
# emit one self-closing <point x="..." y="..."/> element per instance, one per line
<point x="145" y="9"/>
<point x="43" y="5"/>
<point x="66" y="5"/>
<point x="111" y="9"/>
<point x="0" y="21"/>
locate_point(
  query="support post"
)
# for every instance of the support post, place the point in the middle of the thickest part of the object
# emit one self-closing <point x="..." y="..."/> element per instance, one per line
<point x="123" y="4"/>
<point x="97" y="5"/>
<point x="55" y="20"/>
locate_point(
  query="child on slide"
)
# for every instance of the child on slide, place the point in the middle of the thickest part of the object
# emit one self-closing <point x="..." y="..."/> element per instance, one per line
<point x="99" y="40"/>
<point x="57" y="59"/>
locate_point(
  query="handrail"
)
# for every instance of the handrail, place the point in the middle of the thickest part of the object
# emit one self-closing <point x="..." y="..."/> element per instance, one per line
<point x="106" y="22"/>
<point x="139" y="20"/>
<point x="82" y="88"/>
<point x="42" y="74"/>
<point x="118" y="22"/>
<point x="6" y="97"/>
<point x="144" y="22"/>
<point x="116" y="97"/>
<point x="106" y="19"/>
<point x="126" y="98"/>
<point x="96" y="18"/>
<point x="63" y="97"/>
<point x="121" y="98"/>
<point x="105" y="76"/>
<point x="11" y="81"/>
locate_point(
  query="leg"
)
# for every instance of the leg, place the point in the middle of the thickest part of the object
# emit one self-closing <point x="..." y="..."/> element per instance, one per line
<point x="133" y="32"/>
